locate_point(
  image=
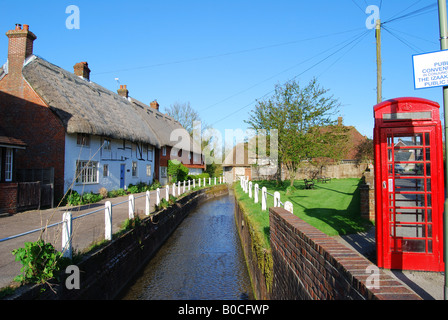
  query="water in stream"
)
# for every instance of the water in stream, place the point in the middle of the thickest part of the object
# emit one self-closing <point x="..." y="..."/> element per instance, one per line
<point x="202" y="260"/>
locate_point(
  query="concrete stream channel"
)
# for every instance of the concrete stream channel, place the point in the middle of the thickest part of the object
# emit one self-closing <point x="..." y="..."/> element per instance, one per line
<point x="201" y="260"/>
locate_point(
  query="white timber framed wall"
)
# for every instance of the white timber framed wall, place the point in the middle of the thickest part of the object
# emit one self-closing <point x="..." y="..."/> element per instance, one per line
<point x="102" y="159"/>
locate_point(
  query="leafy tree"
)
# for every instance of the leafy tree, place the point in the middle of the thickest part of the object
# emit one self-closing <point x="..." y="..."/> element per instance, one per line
<point x="177" y="171"/>
<point x="303" y="118"/>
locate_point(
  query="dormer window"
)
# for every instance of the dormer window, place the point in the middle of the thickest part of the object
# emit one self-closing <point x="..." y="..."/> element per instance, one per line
<point x="83" y="140"/>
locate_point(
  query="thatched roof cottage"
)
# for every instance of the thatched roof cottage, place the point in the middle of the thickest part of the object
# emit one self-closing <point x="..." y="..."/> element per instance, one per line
<point x="90" y="136"/>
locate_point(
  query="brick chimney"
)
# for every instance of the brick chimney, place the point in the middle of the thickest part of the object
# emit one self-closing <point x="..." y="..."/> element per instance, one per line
<point x="81" y="69"/>
<point x="154" y="105"/>
<point x="20" y="47"/>
<point x="123" y="91"/>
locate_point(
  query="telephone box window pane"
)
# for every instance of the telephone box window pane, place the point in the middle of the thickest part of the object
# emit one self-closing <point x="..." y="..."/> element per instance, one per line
<point x="410" y="215"/>
<point x="427" y="139"/>
<point x="429" y="215"/>
<point x="409" y="185"/>
<point x="408" y="231"/>
<point x="408" y="140"/>
<point x="410" y="200"/>
<point x="409" y="169"/>
<point x="402" y="155"/>
<point x="428" y="154"/>
<point x="411" y="245"/>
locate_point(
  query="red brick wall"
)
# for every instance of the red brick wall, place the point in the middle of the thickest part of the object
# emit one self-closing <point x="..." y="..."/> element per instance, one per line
<point x="8" y="198"/>
<point x="309" y="265"/>
<point x="27" y="117"/>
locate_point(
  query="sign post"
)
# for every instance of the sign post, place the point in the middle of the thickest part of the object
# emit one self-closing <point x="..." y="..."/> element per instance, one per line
<point x="444" y="45"/>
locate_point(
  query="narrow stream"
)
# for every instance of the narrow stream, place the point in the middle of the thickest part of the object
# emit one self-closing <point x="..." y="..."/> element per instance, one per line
<point x="202" y="260"/>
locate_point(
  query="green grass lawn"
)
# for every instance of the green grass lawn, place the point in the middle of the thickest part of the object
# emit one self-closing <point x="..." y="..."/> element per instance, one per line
<point x="331" y="207"/>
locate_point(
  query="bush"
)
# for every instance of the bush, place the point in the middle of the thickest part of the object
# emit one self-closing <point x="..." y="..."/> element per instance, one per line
<point x="41" y="262"/>
<point x="198" y="176"/>
<point x="103" y="192"/>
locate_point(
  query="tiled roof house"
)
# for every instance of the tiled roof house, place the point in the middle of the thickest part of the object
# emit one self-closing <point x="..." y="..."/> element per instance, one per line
<point x="91" y="137"/>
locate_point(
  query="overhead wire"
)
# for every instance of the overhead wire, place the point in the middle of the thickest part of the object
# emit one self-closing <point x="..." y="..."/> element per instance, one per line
<point x="273" y="76"/>
<point x="225" y="54"/>
<point x="418" y="12"/>
<point x="407" y="43"/>
<point x="357" y="38"/>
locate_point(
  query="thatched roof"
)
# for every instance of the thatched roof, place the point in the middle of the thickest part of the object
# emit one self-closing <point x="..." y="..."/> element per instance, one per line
<point x="86" y="107"/>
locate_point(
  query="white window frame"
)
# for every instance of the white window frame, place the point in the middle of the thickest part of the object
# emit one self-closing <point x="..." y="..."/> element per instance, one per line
<point x="83" y="140"/>
<point x="86" y="172"/>
<point x="148" y="170"/>
<point x="9" y="163"/>
<point x="105" y="170"/>
<point x="134" y="169"/>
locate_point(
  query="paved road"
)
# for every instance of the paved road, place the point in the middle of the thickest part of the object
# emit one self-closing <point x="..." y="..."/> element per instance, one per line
<point x="85" y="230"/>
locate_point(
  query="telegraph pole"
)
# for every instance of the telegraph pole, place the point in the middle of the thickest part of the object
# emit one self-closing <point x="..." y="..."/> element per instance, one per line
<point x="444" y="46"/>
<point x="379" y="80"/>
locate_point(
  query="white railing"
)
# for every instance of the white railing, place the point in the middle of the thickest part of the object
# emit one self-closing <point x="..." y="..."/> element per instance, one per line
<point x="246" y="185"/>
<point x="67" y="218"/>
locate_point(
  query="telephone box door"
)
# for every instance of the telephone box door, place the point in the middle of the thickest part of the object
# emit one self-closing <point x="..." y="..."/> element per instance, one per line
<point x="411" y="191"/>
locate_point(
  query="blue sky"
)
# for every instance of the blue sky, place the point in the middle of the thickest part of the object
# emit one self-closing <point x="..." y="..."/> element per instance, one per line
<point x="221" y="56"/>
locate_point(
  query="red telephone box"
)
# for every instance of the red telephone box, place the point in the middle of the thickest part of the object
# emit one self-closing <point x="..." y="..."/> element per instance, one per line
<point x="409" y="184"/>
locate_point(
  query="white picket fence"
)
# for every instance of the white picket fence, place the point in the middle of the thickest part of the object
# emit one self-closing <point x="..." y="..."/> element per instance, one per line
<point x="67" y="218"/>
<point x="247" y="187"/>
<point x="176" y="190"/>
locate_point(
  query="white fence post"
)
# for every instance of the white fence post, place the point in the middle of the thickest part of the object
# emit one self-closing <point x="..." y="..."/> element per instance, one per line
<point x="108" y="220"/>
<point x="67" y="235"/>
<point x="131" y="206"/>
<point x="276" y="199"/>
<point x="189" y="185"/>
<point x="256" y="188"/>
<point x="178" y="188"/>
<point x="194" y="183"/>
<point x="183" y="188"/>
<point x="147" y="203"/>
<point x="289" y="207"/>
<point x="209" y="181"/>
<point x="157" y="196"/>
<point x="174" y="189"/>
<point x="167" y="192"/>
<point x="264" y="195"/>
<point x="250" y="189"/>
<point x="215" y="181"/>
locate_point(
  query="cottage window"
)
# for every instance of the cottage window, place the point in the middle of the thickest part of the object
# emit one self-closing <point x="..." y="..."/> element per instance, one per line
<point x="86" y="172"/>
<point x="164" y="151"/>
<point x="83" y="139"/>
<point x="106" y="144"/>
<point x="134" y="169"/>
<point x="106" y="170"/>
<point x="148" y="170"/>
<point x="8" y="164"/>
<point x="149" y="155"/>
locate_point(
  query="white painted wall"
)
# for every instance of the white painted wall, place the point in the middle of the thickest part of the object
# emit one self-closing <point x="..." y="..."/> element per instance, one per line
<point x="117" y="155"/>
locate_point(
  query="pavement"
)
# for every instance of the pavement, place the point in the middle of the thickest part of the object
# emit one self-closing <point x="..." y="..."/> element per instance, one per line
<point x="428" y="285"/>
<point x="86" y="230"/>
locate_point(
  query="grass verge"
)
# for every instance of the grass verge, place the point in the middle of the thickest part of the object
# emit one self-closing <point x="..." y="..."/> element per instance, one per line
<point x="331" y="207"/>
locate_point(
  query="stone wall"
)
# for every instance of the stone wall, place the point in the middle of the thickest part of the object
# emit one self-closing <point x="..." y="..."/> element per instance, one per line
<point x="309" y="265"/>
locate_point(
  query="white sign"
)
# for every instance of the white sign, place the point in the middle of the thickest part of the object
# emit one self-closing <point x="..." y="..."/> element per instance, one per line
<point x="430" y="69"/>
